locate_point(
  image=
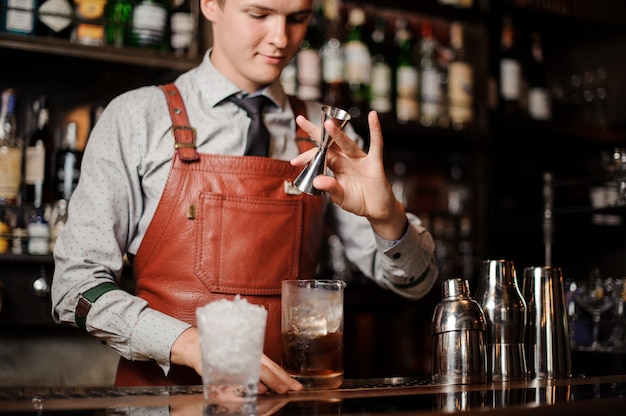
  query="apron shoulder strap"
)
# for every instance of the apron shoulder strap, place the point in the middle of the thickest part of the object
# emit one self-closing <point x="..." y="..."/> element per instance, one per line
<point x="299" y="108"/>
<point x="184" y="134"/>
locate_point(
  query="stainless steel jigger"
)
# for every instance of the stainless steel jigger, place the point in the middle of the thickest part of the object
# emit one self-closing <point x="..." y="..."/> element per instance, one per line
<point x="304" y="181"/>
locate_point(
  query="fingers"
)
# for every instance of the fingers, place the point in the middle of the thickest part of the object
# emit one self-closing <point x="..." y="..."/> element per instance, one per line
<point x="309" y="128"/>
<point x="304" y="158"/>
<point x="376" y="134"/>
<point x="275" y="378"/>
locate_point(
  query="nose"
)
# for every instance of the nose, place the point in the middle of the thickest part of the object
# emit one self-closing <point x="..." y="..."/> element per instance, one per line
<point x="278" y="33"/>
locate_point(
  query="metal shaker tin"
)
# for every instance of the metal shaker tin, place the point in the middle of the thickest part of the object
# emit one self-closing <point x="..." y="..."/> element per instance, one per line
<point x="459" y="331"/>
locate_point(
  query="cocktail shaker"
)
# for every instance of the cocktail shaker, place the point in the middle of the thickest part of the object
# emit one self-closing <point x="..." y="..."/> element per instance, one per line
<point x="505" y="313"/>
<point x="547" y="337"/>
<point x="458" y="330"/>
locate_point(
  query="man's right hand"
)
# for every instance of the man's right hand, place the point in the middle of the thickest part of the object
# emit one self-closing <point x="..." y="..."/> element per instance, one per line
<point x="186" y="351"/>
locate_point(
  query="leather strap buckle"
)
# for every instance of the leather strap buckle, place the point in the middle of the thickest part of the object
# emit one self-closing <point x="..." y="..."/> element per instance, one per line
<point x="88" y="298"/>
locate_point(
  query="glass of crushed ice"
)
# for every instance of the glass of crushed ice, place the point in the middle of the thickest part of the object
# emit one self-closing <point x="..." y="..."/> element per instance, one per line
<point x="231" y="340"/>
<point x="312" y="332"/>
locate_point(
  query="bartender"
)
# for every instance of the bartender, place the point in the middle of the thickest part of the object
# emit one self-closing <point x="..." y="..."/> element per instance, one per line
<point x="170" y="179"/>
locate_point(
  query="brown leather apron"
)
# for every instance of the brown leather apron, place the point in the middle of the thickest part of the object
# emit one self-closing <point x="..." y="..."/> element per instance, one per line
<point x="224" y="226"/>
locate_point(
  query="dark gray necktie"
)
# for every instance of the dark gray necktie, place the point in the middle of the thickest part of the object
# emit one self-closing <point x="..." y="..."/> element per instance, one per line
<point x="258" y="143"/>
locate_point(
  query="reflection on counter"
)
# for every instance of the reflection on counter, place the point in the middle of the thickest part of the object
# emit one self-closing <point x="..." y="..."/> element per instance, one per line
<point x="356" y="397"/>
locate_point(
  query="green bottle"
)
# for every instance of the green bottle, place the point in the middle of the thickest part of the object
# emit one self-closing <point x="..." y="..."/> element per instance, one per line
<point x="119" y="15"/>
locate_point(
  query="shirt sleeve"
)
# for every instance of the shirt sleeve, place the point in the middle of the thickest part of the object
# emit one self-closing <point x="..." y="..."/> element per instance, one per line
<point x="89" y="252"/>
<point x="407" y="266"/>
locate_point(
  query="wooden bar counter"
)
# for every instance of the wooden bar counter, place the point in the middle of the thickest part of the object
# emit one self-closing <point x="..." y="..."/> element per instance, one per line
<point x="601" y="395"/>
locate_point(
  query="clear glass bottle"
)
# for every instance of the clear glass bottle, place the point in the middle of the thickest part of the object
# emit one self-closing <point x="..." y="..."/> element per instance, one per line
<point x="539" y="99"/>
<point x="381" y="72"/>
<point x="510" y="71"/>
<point x="308" y="59"/>
<point x="358" y="62"/>
<point x="407" y="75"/>
<point x="333" y="59"/>
<point x="38" y="233"/>
<point x="431" y="92"/>
<point x="150" y="25"/>
<point x="460" y="82"/>
<point x="183" y="29"/>
<point x="38" y="151"/>
<point x="58" y="219"/>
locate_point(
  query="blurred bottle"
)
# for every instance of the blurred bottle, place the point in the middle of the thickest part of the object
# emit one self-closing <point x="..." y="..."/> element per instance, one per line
<point x="68" y="164"/>
<point x="381" y="72"/>
<point x="118" y="22"/>
<point x="58" y="219"/>
<point x="89" y="24"/>
<point x="183" y="29"/>
<point x="308" y="59"/>
<point x="38" y="151"/>
<point x="430" y="83"/>
<point x="19" y="17"/>
<point x="510" y="71"/>
<point x="289" y="78"/>
<point x="11" y="155"/>
<point x="54" y="18"/>
<point x="460" y="82"/>
<point x="5" y="231"/>
<point x="407" y="75"/>
<point x="38" y="233"/>
<point x="19" y="234"/>
<point x="539" y="99"/>
<point x="400" y="184"/>
<point x="358" y="62"/>
<point x="335" y="90"/>
<point x="150" y="25"/>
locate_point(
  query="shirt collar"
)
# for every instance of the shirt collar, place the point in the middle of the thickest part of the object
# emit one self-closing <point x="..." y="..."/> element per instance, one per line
<point x="216" y="87"/>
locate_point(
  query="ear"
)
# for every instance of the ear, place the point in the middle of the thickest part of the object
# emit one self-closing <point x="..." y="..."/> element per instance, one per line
<point x="209" y="9"/>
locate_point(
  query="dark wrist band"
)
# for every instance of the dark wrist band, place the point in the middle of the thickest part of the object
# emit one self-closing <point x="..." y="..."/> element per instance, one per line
<point x="88" y="298"/>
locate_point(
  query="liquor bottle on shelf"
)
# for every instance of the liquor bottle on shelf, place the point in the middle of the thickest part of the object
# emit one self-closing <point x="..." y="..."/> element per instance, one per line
<point x="38" y="233"/>
<point x="539" y="99"/>
<point x="58" y="219"/>
<point x="510" y="71"/>
<point x="19" y="16"/>
<point x="19" y="233"/>
<point x="381" y="72"/>
<point x="150" y="25"/>
<point x="460" y="82"/>
<point x="5" y="231"/>
<point x="407" y="75"/>
<point x="431" y="94"/>
<point x="183" y="28"/>
<point x="40" y="147"/>
<point x="308" y="59"/>
<point x="68" y="164"/>
<point x="335" y="90"/>
<point x="358" y="62"/>
<point x="11" y="155"/>
<point x="89" y="23"/>
<point x="54" y="18"/>
<point x="118" y="22"/>
<point x="289" y="78"/>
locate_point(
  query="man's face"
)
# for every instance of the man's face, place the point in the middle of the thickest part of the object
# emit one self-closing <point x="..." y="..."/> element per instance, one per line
<point x="253" y="40"/>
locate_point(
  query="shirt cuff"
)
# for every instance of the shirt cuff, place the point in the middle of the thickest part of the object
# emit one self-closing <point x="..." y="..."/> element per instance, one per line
<point x="416" y="246"/>
<point x="154" y="336"/>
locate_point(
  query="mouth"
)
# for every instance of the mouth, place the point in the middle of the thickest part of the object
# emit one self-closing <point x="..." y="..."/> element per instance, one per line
<point x="274" y="59"/>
